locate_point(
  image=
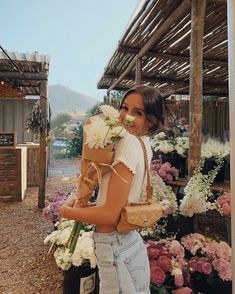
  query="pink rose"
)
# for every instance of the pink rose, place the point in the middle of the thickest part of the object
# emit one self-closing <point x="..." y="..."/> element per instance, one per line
<point x="226" y="208"/>
<point x="165" y="263"/>
<point x="157" y="275"/>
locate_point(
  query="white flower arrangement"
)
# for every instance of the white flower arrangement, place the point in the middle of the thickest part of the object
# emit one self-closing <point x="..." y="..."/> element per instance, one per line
<point x="197" y="191"/>
<point x="213" y="148"/>
<point x="84" y="250"/>
<point x="162" y="143"/>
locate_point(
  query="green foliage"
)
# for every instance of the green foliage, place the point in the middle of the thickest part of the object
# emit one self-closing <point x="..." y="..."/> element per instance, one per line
<point x="94" y="110"/>
<point x="60" y="129"/>
<point x="61" y="118"/>
<point x="74" y="148"/>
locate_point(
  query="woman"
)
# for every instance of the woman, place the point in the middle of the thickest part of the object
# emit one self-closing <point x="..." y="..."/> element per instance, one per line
<point x="122" y="258"/>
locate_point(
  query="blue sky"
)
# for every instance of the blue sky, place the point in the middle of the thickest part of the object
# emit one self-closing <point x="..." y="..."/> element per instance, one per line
<point x="79" y="35"/>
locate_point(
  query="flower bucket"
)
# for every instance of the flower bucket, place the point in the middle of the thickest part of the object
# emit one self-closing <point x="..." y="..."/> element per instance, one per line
<point x="80" y="280"/>
<point x="179" y="226"/>
<point x="211" y="164"/>
<point x="201" y="285"/>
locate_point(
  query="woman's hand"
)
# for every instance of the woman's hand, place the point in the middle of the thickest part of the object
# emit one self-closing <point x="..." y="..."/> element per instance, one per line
<point x="70" y="202"/>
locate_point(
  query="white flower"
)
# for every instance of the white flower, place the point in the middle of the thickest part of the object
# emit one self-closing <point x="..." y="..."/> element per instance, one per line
<point x="110" y="112"/>
<point x="197" y="191"/>
<point x="163" y="194"/>
<point x="128" y="120"/>
<point x="214" y="148"/>
<point x="84" y="250"/>
<point x="118" y="132"/>
<point x="98" y="135"/>
<point x="63" y="258"/>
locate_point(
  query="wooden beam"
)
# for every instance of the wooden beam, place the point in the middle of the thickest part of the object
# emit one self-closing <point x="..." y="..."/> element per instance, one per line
<point x="5" y="75"/>
<point x="196" y="81"/>
<point x="231" y="67"/>
<point x="179" y="12"/>
<point x="178" y="82"/>
<point x="174" y="57"/>
<point x="138" y="72"/>
<point x="43" y="147"/>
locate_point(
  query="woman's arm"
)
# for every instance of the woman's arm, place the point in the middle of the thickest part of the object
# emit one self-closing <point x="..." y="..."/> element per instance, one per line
<point x="109" y="213"/>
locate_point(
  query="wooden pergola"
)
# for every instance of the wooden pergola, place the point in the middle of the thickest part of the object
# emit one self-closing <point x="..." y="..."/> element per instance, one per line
<point x="182" y="47"/>
<point x="24" y="74"/>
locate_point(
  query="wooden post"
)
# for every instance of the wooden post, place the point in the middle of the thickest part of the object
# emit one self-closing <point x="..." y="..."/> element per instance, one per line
<point x="231" y="68"/>
<point x="43" y="147"/>
<point x="198" y="8"/>
<point x="138" y="72"/>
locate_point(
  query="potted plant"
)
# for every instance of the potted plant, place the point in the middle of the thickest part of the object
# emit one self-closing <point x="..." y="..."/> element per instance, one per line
<point x="173" y="146"/>
<point x="213" y="150"/>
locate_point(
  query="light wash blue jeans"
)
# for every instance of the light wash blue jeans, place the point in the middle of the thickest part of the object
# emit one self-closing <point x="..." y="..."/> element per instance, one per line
<point x="123" y="263"/>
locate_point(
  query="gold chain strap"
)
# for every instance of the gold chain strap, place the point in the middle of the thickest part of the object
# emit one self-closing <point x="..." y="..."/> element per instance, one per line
<point x="147" y="168"/>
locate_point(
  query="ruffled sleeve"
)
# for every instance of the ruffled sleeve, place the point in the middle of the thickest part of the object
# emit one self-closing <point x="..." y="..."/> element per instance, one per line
<point x="128" y="151"/>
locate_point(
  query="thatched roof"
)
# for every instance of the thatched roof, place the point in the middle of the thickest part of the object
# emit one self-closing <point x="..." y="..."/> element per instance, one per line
<point x="160" y="35"/>
<point x="21" y="73"/>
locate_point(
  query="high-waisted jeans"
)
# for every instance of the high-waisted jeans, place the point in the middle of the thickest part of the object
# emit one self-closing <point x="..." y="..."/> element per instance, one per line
<point x="123" y="263"/>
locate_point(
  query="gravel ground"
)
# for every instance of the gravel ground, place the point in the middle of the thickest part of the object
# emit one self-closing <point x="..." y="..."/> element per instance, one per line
<point x="25" y="269"/>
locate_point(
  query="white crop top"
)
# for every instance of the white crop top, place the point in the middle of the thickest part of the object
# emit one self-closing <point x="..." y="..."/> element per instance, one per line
<point x="129" y="151"/>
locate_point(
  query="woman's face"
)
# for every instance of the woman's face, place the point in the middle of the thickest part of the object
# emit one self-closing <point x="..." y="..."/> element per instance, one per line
<point x="133" y="105"/>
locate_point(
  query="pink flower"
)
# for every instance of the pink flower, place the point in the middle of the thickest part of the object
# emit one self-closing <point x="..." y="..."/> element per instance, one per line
<point x="184" y="290"/>
<point x="226" y="208"/>
<point x="177" y="249"/>
<point x="157" y="275"/>
<point x="182" y="121"/>
<point x="206" y="268"/>
<point x="179" y="280"/>
<point x="224" y="269"/>
<point x="165" y="263"/>
<point x="153" y="253"/>
<point x="192" y="264"/>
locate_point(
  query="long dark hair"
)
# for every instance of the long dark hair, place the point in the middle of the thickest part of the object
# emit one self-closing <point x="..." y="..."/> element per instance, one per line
<point x="153" y="106"/>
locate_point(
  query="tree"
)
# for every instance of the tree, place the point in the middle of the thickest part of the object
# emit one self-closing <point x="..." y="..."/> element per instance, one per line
<point x="74" y="148"/>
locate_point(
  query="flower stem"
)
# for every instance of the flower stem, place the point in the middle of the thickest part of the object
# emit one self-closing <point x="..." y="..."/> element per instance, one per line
<point x="74" y="236"/>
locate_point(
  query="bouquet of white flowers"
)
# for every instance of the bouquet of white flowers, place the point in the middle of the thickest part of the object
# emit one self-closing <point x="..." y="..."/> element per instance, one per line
<point x="84" y="250"/>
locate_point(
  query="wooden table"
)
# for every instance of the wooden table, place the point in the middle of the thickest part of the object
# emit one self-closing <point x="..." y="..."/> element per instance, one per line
<point x="182" y="182"/>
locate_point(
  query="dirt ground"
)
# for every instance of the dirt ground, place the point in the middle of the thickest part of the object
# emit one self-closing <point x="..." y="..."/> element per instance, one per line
<point x="23" y="266"/>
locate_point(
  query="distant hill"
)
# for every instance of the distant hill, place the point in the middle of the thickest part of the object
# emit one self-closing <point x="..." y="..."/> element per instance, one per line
<point x="63" y="99"/>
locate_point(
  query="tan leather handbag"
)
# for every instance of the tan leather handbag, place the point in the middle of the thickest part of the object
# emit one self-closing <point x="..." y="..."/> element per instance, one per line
<point x="141" y="214"/>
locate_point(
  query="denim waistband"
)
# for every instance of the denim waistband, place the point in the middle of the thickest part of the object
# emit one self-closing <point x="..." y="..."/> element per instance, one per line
<point x="113" y="236"/>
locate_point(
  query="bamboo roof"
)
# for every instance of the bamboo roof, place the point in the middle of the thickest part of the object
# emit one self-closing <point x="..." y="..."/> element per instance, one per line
<point x="21" y="73"/>
<point x="159" y="34"/>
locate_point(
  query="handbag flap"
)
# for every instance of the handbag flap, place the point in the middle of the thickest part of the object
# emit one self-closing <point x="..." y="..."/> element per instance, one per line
<point x="143" y="215"/>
